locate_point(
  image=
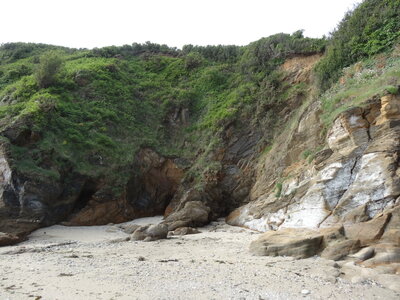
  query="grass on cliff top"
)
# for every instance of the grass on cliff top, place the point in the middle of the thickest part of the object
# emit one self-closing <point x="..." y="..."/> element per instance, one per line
<point x="365" y="80"/>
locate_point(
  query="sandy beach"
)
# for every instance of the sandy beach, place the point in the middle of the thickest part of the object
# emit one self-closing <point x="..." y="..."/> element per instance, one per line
<point x="97" y="262"/>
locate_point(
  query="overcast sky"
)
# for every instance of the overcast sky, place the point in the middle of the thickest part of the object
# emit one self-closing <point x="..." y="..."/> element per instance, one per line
<point x="97" y="23"/>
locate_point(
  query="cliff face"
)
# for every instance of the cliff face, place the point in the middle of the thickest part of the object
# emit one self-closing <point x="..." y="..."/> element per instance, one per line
<point x="353" y="178"/>
<point x="331" y="192"/>
<point x="265" y="134"/>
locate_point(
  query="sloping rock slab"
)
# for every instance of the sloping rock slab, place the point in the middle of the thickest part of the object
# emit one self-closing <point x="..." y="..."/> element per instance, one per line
<point x="367" y="232"/>
<point x="298" y="243"/>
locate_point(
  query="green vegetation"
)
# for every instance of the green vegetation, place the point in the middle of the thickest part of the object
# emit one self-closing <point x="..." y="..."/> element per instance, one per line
<point x="371" y="28"/>
<point x="46" y="72"/>
<point x="89" y="111"/>
<point x="278" y="189"/>
<point x="363" y="81"/>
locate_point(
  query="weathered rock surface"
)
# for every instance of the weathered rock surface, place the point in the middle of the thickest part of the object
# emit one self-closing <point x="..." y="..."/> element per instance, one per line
<point x="353" y="180"/>
<point x="150" y="233"/>
<point x="193" y="214"/>
<point x="299" y="243"/>
<point x="340" y="249"/>
<point x="148" y="192"/>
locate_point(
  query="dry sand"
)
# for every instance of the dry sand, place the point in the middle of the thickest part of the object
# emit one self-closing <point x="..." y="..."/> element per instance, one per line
<point x="61" y="262"/>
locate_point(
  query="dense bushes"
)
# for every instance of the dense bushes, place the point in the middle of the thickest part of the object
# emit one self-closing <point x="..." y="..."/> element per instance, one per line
<point x="220" y="53"/>
<point x="373" y="27"/>
<point x="266" y="53"/>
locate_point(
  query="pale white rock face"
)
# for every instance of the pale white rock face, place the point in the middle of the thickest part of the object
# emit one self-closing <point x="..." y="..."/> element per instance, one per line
<point x="368" y="186"/>
<point x="5" y="174"/>
<point x="246" y="219"/>
<point x="5" y="171"/>
<point x="337" y="135"/>
<point x="314" y="207"/>
<point x="308" y="211"/>
<point x="257" y="224"/>
<point x="354" y="120"/>
<point x="336" y="179"/>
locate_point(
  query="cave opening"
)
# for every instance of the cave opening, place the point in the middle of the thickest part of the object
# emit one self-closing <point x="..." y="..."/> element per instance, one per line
<point x="88" y="190"/>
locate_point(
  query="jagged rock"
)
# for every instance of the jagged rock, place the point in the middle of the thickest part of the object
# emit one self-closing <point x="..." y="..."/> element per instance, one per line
<point x="298" y="243"/>
<point x="367" y="232"/>
<point x="390" y="109"/>
<point x="185" y="231"/>
<point x="340" y="249"/>
<point x="194" y="213"/>
<point x="7" y="239"/>
<point x="158" y="231"/>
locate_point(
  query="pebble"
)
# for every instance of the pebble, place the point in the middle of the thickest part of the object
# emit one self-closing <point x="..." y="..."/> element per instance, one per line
<point x="305" y="292"/>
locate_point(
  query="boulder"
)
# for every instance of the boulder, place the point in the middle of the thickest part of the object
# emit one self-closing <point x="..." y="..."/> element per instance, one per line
<point x="150" y="233"/>
<point x="385" y="254"/>
<point x="193" y="214"/>
<point x="298" y="243"/>
<point x="157" y="232"/>
<point x="364" y="254"/>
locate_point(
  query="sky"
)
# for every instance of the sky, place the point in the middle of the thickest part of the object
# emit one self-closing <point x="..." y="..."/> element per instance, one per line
<point x="98" y="23"/>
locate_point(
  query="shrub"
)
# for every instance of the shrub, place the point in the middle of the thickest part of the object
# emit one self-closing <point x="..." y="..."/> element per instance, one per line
<point x="48" y="68"/>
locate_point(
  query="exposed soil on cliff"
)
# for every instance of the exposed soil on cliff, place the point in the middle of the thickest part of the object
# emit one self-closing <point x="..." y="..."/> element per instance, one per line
<point x="97" y="263"/>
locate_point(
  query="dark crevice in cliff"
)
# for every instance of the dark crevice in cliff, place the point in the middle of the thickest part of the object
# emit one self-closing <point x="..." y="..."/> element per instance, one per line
<point x="369" y="126"/>
<point x="85" y="195"/>
<point x="354" y="166"/>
